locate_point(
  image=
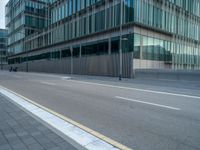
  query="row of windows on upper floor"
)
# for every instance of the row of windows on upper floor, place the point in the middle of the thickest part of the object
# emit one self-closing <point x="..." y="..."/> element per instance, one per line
<point x="3" y="46"/>
<point x="3" y="40"/>
<point x="192" y="6"/>
<point x="167" y="19"/>
<point x="31" y="22"/>
<point x="83" y="3"/>
<point x="69" y="7"/>
<point x="3" y="33"/>
<point x="12" y="3"/>
<point x="11" y="12"/>
<point x="2" y="52"/>
<point x="16" y="24"/>
<point x="29" y="6"/>
<point x="72" y="6"/>
<point x="15" y="37"/>
<point x="28" y="21"/>
<point x="75" y="29"/>
<point x="16" y="48"/>
<point x="98" y="22"/>
<point x="143" y="47"/>
<point x="149" y="15"/>
<point x="146" y="13"/>
<point x="83" y="26"/>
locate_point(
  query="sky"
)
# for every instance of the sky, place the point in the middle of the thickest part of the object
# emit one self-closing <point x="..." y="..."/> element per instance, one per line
<point x="2" y="13"/>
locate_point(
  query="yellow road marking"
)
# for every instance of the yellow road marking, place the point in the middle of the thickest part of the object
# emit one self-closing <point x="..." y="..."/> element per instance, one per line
<point x="90" y="131"/>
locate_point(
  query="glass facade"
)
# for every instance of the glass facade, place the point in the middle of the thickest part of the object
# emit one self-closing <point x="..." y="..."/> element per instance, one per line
<point x="168" y="17"/>
<point x="23" y="18"/>
<point x="163" y="31"/>
<point x="3" y="47"/>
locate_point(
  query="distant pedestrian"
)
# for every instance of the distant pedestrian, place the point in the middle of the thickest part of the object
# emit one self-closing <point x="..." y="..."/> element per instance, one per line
<point x="11" y="69"/>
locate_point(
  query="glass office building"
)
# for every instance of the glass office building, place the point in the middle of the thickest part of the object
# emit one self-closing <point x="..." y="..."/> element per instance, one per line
<point x="159" y="33"/>
<point x="23" y="18"/>
<point x="3" y="47"/>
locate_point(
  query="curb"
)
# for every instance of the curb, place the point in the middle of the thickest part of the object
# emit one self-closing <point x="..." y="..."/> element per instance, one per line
<point x="96" y="138"/>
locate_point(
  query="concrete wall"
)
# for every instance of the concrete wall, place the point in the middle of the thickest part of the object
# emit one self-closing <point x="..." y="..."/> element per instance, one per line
<point x="168" y="74"/>
<point x="150" y="64"/>
<point x="107" y="65"/>
<point x="149" y="69"/>
<point x="103" y="65"/>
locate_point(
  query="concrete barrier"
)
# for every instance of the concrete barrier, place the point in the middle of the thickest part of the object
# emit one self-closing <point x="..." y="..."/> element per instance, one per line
<point x="168" y="74"/>
<point x="97" y="65"/>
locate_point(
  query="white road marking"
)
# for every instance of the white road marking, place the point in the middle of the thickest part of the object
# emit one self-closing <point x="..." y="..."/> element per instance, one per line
<point x="136" y="89"/>
<point x="16" y="76"/>
<point x="47" y="83"/>
<point x="46" y="75"/>
<point x="66" y="78"/>
<point x="41" y="74"/>
<point x="83" y="138"/>
<point x="148" y="103"/>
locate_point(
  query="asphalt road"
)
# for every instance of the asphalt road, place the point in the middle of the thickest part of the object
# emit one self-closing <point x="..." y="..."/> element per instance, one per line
<point x="143" y="115"/>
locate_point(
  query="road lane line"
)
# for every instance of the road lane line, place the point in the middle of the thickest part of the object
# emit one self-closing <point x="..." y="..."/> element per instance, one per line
<point x="148" y="103"/>
<point x="136" y="89"/>
<point x="47" y="83"/>
<point x="66" y="78"/>
<point x="43" y="74"/>
<point x="81" y="134"/>
<point x="17" y="76"/>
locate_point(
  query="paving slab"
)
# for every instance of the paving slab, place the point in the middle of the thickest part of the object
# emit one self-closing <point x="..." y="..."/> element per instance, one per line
<point x="20" y="131"/>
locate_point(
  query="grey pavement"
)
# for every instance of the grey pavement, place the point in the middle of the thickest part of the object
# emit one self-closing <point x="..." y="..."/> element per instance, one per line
<point x="19" y="131"/>
<point x="141" y="126"/>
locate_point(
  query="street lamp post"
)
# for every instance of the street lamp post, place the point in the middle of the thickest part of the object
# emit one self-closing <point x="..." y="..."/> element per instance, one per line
<point x="26" y="55"/>
<point x="71" y="60"/>
<point x="121" y="41"/>
<point x="120" y="44"/>
<point x="1" y="61"/>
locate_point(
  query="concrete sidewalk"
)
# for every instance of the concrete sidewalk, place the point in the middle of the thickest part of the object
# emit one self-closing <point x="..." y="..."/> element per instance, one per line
<point x="20" y="131"/>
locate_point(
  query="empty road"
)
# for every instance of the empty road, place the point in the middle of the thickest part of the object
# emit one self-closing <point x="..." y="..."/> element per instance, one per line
<point x="143" y="115"/>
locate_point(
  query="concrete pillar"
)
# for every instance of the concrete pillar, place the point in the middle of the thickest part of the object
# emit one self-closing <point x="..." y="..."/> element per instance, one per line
<point x="80" y="55"/>
<point x="109" y="46"/>
<point x="141" y="46"/>
<point x="60" y="54"/>
<point x="71" y="50"/>
<point x="43" y="42"/>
